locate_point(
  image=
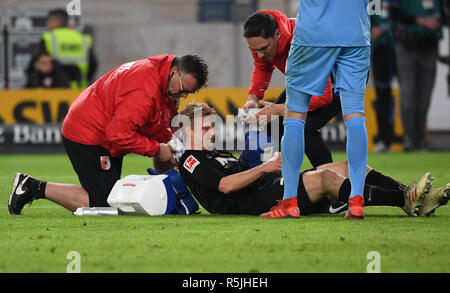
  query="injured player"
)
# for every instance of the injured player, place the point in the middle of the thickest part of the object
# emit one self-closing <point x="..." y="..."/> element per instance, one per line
<point x="223" y="185"/>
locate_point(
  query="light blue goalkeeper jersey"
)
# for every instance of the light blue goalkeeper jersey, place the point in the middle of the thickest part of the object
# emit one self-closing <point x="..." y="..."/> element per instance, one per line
<point x="332" y="23"/>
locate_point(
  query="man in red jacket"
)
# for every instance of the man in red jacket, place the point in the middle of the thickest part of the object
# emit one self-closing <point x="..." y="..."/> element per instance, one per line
<point x="128" y="110"/>
<point x="269" y="34"/>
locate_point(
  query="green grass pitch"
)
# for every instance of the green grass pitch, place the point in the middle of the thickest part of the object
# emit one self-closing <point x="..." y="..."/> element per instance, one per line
<point x="41" y="238"/>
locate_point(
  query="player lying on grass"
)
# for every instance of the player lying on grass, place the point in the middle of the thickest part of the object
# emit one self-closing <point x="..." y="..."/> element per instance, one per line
<point x="223" y="185"/>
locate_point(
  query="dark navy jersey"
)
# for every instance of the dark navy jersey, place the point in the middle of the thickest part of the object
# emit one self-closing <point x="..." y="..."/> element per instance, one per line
<point x="202" y="172"/>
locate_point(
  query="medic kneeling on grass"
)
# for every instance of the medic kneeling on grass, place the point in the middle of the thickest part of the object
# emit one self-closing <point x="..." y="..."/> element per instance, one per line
<point x="224" y="185"/>
<point x="128" y="110"/>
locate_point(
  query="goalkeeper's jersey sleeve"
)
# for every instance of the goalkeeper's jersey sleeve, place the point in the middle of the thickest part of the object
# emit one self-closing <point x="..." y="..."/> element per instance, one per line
<point x="332" y="23"/>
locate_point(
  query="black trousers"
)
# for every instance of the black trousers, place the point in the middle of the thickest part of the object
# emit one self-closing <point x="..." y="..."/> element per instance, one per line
<point x="416" y="65"/>
<point x="384" y="69"/>
<point x="316" y="149"/>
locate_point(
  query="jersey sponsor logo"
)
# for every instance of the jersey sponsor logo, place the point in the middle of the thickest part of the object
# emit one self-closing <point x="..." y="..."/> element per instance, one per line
<point x="190" y="163"/>
<point x="225" y="161"/>
<point x="105" y="162"/>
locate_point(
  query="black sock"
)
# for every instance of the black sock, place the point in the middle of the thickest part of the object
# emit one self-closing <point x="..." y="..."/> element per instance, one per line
<point x="377" y="179"/>
<point x="36" y="188"/>
<point x="376" y="196"/>
<point x="344" y="190"/>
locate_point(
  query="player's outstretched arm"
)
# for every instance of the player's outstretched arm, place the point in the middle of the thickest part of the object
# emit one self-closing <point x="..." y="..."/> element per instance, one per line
<point x="241" y="180"/>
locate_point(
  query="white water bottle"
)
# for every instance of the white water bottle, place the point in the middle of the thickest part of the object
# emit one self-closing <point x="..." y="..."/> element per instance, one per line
<point x="100" y="211"/>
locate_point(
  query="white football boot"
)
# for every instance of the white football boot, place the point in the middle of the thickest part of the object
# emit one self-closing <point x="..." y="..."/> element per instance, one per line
<point x="415" y="194"/>
<point x="434" y="199"/>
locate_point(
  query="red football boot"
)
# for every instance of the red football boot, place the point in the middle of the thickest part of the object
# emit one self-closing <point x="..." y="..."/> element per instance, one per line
<point x="356" y="208"/>
<point x="286" y="208"/>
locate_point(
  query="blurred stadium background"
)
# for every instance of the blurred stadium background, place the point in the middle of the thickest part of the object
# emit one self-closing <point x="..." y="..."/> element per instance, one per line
<point x="123" y="31"/>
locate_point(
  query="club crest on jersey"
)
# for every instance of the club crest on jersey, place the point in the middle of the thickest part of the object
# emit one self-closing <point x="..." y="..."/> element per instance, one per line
<point x="105" y="162"/>
<point x="190" y="163"/>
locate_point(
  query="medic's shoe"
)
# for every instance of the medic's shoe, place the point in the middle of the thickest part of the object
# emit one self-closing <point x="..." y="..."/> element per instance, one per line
<point x="356" y="208"/>
<point x="415" y="194"/>
<point x="434" y="199"/>
<point x="286" y="208"/>
<point x="19" y="194"/>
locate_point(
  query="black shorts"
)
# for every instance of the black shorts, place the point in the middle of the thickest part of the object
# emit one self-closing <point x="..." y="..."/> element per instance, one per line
<point x="97" y="171"/>
<point x="304" y="203"/>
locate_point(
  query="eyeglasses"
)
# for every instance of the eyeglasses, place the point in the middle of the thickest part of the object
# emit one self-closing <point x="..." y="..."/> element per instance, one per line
<point x="183" y="91"/>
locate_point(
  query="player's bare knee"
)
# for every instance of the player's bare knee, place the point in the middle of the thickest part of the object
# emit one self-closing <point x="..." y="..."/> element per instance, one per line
<point x="295" y="115"/>
<point x="327" y="174"/>
<point x="328" y="179"/>
<point x="354" y="115"/>
<point x="324" y="176"/>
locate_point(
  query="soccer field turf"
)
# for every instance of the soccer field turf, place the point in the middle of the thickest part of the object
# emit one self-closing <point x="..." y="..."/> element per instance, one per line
<point x="41" y="238"/>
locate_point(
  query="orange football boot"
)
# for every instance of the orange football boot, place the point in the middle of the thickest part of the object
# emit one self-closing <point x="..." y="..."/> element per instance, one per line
<point x="356" y="208"/>
<point x="286" y="208"/>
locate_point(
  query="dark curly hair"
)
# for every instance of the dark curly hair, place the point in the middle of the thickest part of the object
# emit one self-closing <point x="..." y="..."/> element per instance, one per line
<point x="195" y="65"/>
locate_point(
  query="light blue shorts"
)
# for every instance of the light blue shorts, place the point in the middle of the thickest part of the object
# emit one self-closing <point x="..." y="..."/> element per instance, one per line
<point x="308" y="70"/>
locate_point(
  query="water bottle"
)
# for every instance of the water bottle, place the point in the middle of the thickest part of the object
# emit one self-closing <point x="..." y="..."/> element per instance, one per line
<point x="100" y="211"/>
<point x="178" y="146"/>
